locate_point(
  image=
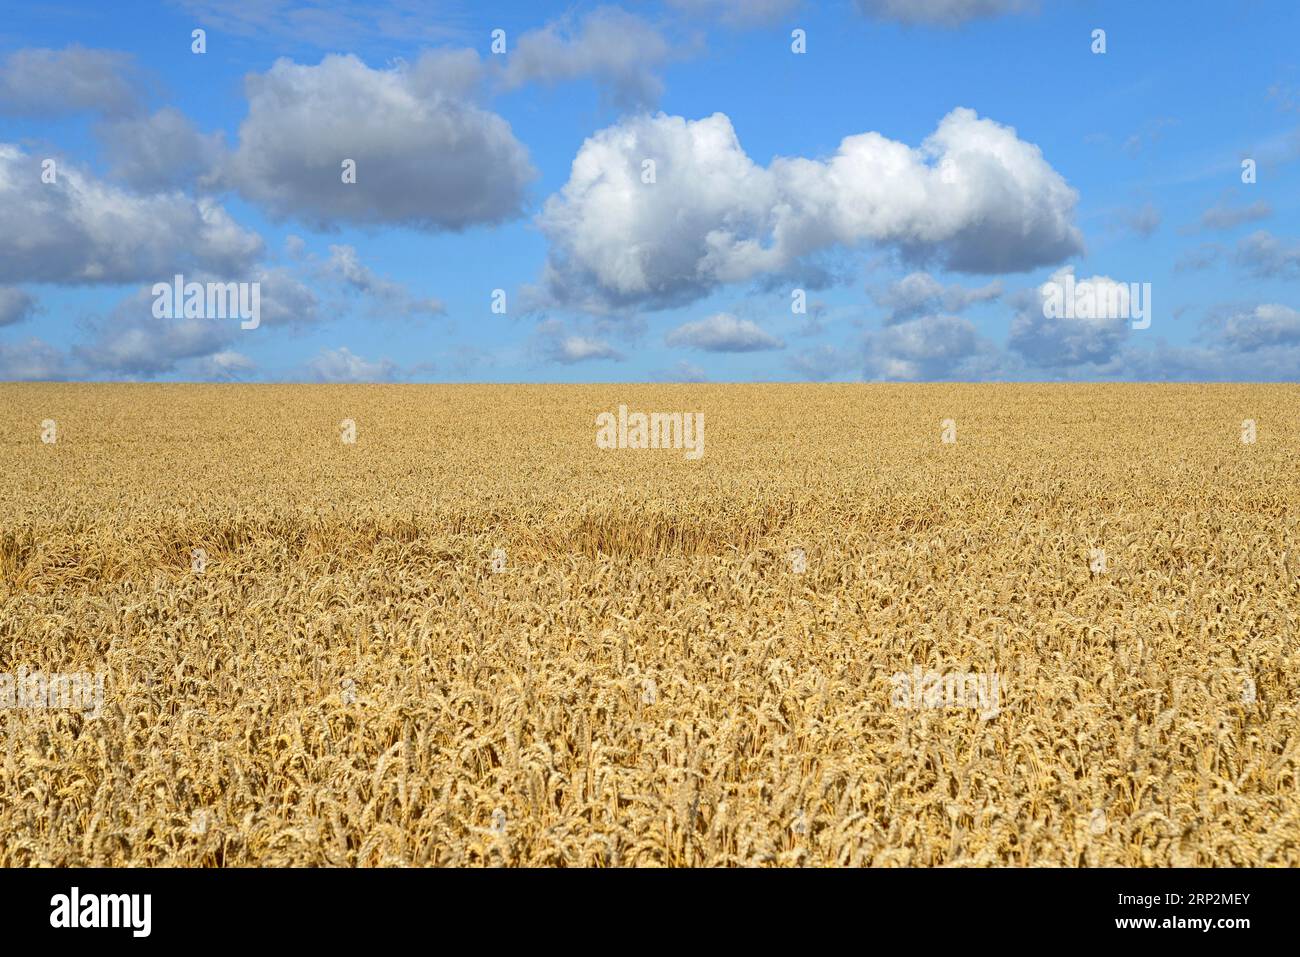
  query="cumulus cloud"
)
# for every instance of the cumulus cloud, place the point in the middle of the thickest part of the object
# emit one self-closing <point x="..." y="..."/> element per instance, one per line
<point x="425" y="158"/>
<point x="723" y="333"/>
<point x="83" y="230"/>
<point x="286" y="300"/>
<point x="1265" y="256"/>
<point x="32" y="360"/>
<point x="41" y="82"/>
<point x="1267" y="325"/>
<point x="386" y="295"/>
<point x="920" y="293"/>
<point x="162" y="151"/>
<point x="15" y="305"/>
<point x="226" y="365"/>
<point x="131" y="342"/>
<point x="618" y="49"/>
<point x="1060" y="342"/>
<point x="942" y="13"/>
<point x="973" y="196"/>
<point x="555" y="344"/>
<point x="342" y="365"/>
<point x="931" y="347"/>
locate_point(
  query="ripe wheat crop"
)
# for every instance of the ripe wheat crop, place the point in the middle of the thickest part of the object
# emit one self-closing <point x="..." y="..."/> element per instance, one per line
<point x="474" y="637"/>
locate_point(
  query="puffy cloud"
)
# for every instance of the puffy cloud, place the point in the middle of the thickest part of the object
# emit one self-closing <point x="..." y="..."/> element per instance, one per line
<point x="553" y="343"/>
<point x="943" y="13"/>
<point x="82" y="230"/>
<point x="1224" y="216"/>
<point x="388" y="296"/>
<point x="31" y="361"/>
<point x="931" y="347"/>
<point x="972" y="195"/>
<point x="618" y="49"/>
<point x="1266" y="257"/>
<point x="425" y="158"/>
<point x="723" y="333"/>
<point x="15" y="305"/>
<point x="1221" y="360"/>
<point x="131" y="342"/>
<point x="342" y="365"/>
<point x="920" y="293"/>
<point x="224" y="366"/>
<point x="286" y="300"/>
<point x="1267" y="325"/>
<point x="570" y="349"/>
<point x="159" y="152"/>
<point x="41" y="82"/>
<point x="1060" y="342"/>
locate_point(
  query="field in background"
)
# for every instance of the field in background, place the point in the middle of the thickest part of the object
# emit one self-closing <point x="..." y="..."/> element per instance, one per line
<point x="650" y="681"/>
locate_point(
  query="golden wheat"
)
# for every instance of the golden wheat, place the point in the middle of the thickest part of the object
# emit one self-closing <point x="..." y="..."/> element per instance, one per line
<point x="649" y="681"/>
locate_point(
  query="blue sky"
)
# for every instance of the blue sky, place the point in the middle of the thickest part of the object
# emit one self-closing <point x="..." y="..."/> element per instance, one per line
<point x="920" y="172"/>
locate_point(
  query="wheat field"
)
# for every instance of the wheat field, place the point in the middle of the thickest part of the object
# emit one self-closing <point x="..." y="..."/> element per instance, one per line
<point x="474" y="638"/>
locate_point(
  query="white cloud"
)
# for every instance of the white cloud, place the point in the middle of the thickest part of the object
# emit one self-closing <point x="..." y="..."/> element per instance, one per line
<point x="920" y="293"/>
<point x="387" y="295"/>
<point x="82" y="230"/>
<point x="286" y="300"/>
<point x="425" y="157"/>
<point x="1060" y="342"/>
<point x="41" y="82"/>
<point x="931" y="347"/>
<point x="342" y="365"/>
<point x="1265" y="256"/>
<point x="30" y="361"/>
<point x="1267" y="325"/>
<point x="130" y="342"/>
<point x="723" y="333"/>
<point x="159" y="152"/>
<point x="553" y="343"/>
<point x="972" y="195"/>
<point x="618" y="49"/>
<point x="225" y="365"/>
